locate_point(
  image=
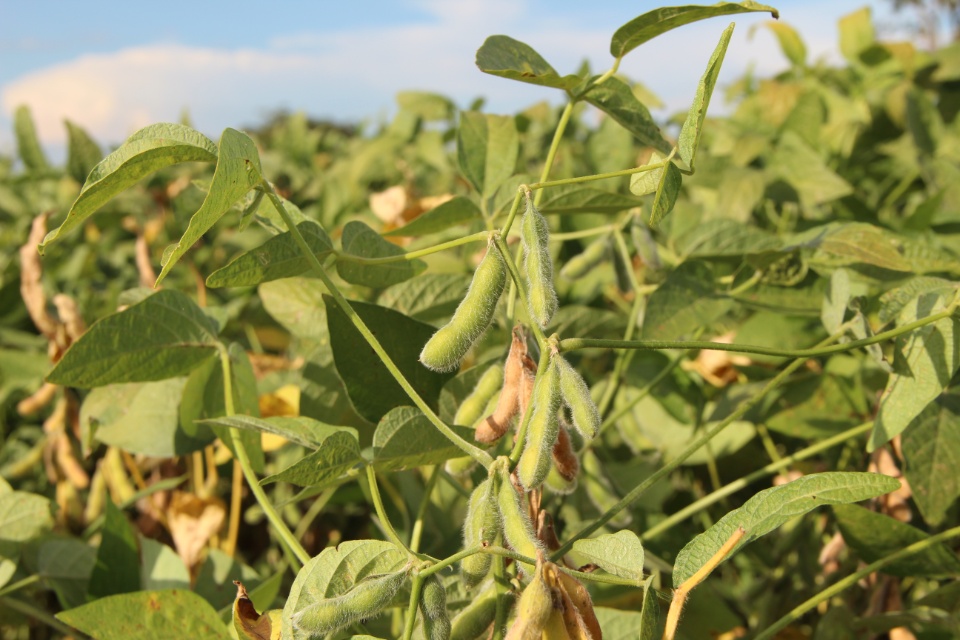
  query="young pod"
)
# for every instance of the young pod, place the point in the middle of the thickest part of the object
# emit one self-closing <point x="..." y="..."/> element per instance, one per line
<point x="433" y="610"/>
<point x="473" y="406"/>
<point x="473" y="622"/>
<point x="535" y="234"/>
<point x="542" y="429"/>
<point x="576" y="395"/>
<point x="515" y="519"/>
<point x="491" y="429"/>
<point x="534" y="609"/>
<point x="482" y="524"/>
<point x="366" y="599"/>
<point x="448" y="346"/>
<point x="580" y="264"/>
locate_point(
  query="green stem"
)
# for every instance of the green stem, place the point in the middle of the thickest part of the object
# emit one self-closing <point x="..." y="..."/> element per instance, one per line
<point x="740" y="483"/>
<point x="474" y="452"/>
<point x="585" y="233"/>
<point x="413" y="255"/>
<point x="19" y="584"/>
<point x="31" y="611"/>
<point x="286" y="537"/>
<point x="708" y="435"/>
<point x="503" y="591"/>
<point x="513" y="212"/>
<point x="593" y="343"/>
<point x="450" y="560"/>
<point x="554" y="146"/>
<point x="417" y="531"/>
<point x="519" y="286"/>
<point x="315" y="508"/>
<point x="382" y="513"/>
<point x="411" y="619"/>
<point x="597" y="176"/>
<point x="605" y="578"/>
<point x="853" y="578"/>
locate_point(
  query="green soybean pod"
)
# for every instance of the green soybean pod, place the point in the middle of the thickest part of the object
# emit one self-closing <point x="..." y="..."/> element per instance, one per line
<point x="576" y="395"/>
<point x="580" y="264"/>
<point x="517" y="528"/>
<point x="473" y="406"/>
<point x="482" y="524"/>
<point x="445" y="350"/>
<point x="542" y="429"/>
<point x="433" y="609"/>
<point x="473" y="622"/>
<point x="535" y="234"/>
<point x="366" y="599"/>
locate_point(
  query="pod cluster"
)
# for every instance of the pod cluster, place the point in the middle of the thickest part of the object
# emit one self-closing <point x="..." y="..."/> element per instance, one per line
<point x="447" y="347"/>
<point x="538" y="264"/>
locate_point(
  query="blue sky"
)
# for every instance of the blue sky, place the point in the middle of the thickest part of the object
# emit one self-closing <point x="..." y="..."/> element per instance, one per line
<point x="113" y="67"/>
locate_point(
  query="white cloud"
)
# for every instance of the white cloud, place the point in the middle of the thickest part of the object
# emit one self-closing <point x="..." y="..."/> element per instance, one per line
<point x="353" y="74"/>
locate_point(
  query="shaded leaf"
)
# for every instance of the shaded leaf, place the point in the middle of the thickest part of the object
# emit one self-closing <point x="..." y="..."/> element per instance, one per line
<point x="65" y="565"/>
<point x="361" y="241"/>
<point x="428" y="297"/>
<point x="659" y="21"/>
<point x="770" y="508"/>
<point x="148" y="615"/>
<point x="453" y="212"/>
<point x="620" y="553"/>
<point x="487" y="149"/>
<point x="161" y="567"/>
<point x="406" y="438"/>
<point x="148" y="150"/>
<point x="28" y="145"/>
<point x="873" y="536"/>
<point x="83" y="154"/>
<point x="508" y="58"/>
<point x="301" y="430"/>
<point x="165" y="336"/>
<point x="279" y="257"/>
<point x="238" y="171"/>
<point x="117" y="569"/>
<point x="804" y="169"/>
<point x="23" y="516"/>
<point x="684" y="302"/>
<point x="931" y="449"/>
<point x="372" y="389"/>
<point x="338" y="450"/>
<point x="616" y="99"/>
<point x="577" y="199"/>
<point x="689" y="138"/>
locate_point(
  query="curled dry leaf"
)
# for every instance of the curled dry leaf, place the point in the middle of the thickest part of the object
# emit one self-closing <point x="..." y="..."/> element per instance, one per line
<point x="896" y="503"/>
<point x="717" y="367"/>
<point x="193" y="521"/>
<point x="144" y="266"/>
<point x="31" y="272"/>
<point x="389" y="205"/>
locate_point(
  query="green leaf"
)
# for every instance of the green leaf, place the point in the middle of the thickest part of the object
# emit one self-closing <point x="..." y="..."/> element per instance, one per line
<point x="372" y="389"/>
<point x="684" y="302"/>
<point x="164" y="336"/>
<point x="238" y="171"/>
<point x="118" y="559"/>
<point x="334" y="572"/>
<point x="405" y="438"/>
<point x="141" y="418"/>
<point x="301" y="430"/>
<point x="616" y="99"/>
<point x="723" y="237"/>
<point x="215" y="579"/>
<point x="649" y="612"/>
<point x="279" y="257"/>
<point x="429" y="297"/>
<point x="924" y="362"/>
<point x="149" y="149"/>
<point x="860" y="243"/>
<point x="619" y="553"/>
<point x="814" y="408"/>
<point x="161" y="567"/>
<point x="689" y="138"/>
<point x="23" y="516"/>
<point x="429" y="106"/>
<point x="338" y="450"/>
<point x="803" y="169"/>
<point x="835" y="301"/>
<point x="931" y="449"/>
<point x="775" y="506"/>
<point x="487" y="149"/>
<point x="578" y="199"/>
<point x="619" y="624"/>
<point x="28" y="145"/>
<point x="363" y="242"/>
<point x="508" y="58"/>
<point x="790" y="42"/>
<point x="659" y="21"/>
<point x="297" y="304"/>
<point x="83" y="154"/>
<point x="65" y="565"/>
<point x="856" y="34"/>
<point x="453" y="212"/>
<point x="873" y="536"/>
<point x="148" y="615"/>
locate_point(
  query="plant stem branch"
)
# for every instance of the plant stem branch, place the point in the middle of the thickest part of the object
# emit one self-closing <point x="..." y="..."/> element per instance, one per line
<point x="411" y="618"/>
<point x="853" y="578"/>
<point x="279" y="525"/>
<point x="28" y="609"/>
<point x="474" y="452"/>
<point x="554" y="145"/>
<point x="382" y="513"/>
<point x="417" y="531"/>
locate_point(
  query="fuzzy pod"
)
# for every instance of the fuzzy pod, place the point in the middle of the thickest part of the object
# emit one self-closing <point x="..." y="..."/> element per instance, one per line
<point x="482" y="524"/>
<point x="542" y="429"/>
<point x="535" y="234"/>
<point x="473" y="622"/>
<point x="534" y="609"/>
<point x="365" y="600"/>
<point x="580" y="264"/>
<point x="433" y="609"/>
<point x="491" y="429"/>
<point x="515" y="518"/>
<point x="576" y="395"/>
<point x="448" y="346"/>
<point x="473" y="406"/>
<point x="565" y="459"/>
<point x="460" y="467"/>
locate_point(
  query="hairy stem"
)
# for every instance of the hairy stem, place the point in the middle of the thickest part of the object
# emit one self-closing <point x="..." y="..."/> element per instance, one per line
<point x="554" y="145"/>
